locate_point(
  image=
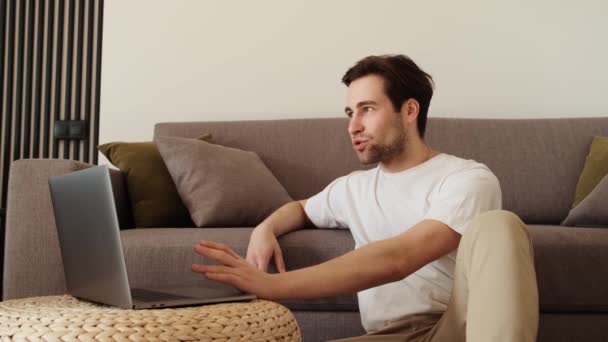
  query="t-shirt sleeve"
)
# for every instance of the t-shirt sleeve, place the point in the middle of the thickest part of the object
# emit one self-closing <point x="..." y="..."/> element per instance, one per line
<point x="323" y="209"/>
<point x="464" y="195"/>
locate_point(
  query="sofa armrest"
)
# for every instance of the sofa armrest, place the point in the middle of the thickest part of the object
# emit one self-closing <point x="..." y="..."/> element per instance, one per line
<point x="32" y="260"/>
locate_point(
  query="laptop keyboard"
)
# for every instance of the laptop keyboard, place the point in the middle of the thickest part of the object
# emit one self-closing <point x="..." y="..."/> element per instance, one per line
<point x="153" y="296"/>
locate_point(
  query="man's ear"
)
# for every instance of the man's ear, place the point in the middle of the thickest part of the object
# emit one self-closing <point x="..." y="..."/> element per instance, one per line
<point x="410" y="108"/>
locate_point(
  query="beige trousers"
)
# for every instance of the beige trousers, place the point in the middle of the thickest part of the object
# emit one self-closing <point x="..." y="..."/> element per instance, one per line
<point x="495" y="296"/>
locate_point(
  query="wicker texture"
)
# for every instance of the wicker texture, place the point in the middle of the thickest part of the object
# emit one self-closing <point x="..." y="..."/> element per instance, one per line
<point x="64" y="318"/>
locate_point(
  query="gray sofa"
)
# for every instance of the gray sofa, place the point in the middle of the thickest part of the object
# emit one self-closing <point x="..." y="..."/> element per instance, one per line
<point x="538" y="162"/>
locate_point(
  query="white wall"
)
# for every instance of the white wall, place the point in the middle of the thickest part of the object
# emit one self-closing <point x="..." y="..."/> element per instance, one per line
<point x="187" y="60"/>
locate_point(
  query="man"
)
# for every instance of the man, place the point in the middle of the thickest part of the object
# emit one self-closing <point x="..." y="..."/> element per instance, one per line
<point x="454" y="267"/>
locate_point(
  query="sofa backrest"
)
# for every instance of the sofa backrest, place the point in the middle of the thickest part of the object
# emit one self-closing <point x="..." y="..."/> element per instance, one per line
<point x="538" y="161"/>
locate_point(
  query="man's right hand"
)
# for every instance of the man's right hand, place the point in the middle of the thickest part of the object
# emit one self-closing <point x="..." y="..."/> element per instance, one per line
<point x="263" y="245"/>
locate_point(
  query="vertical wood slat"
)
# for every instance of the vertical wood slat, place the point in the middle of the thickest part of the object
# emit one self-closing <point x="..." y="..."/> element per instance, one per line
<point x="99" y="39"/>
<point x="50" y="52"/>
<point x="27" y="76"/>
<point x="68" y="86"/>
<point x="40" y="11"/>
<point x="3" y="24"/>
<point x="19" y="39"/>
<point x="77" y="113"/>
<point x="58" y="59"/>
<point x="8" y="94"/>
<point x="49" y="44"/>
<point x="88" y="75"/>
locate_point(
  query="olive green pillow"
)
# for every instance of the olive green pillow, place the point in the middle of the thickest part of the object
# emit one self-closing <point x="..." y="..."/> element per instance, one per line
<point x="591" y="196"/>
<point x="152" y="193"/>
<point x="596" y="167"/>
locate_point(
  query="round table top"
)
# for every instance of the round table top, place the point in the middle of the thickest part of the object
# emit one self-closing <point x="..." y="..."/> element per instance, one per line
<point x="67" y="318"/>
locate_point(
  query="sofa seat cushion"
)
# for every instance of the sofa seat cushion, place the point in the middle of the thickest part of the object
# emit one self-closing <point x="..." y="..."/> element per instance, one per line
<point x="570" y="262"/>
<point x="571" y="266"/>
<point x="162" y="257"/>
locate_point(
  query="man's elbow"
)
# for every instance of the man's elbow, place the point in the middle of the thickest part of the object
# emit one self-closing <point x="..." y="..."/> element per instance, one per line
<point x="398" y="265"/>
<point x="403" y="261"/>
<point x="401" y="269"/>
<point x="306" y="222"/>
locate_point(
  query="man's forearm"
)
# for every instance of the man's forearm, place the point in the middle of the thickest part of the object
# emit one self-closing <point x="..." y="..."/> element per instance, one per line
<point x="366" y="267"/>
<point x="289" y="217"/>
<point x="372" y="265"/>
<point x="375" y="264"/>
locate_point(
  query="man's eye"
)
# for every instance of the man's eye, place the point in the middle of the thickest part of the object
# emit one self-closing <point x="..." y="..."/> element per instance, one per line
<point x="368" y="109"/>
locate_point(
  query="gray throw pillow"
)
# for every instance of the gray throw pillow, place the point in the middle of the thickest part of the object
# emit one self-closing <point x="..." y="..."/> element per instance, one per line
<point x="221" y="186"/>
<point x="592" y="211"/>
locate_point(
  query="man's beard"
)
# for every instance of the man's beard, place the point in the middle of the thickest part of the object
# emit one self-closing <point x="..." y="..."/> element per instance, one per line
<point x="384" y="153"/>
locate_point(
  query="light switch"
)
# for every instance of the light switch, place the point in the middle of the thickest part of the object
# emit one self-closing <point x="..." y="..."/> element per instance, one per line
<point x="71" y="130"/>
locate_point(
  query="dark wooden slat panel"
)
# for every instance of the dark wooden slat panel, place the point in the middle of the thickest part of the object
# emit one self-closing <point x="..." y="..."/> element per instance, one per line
<point x="32" y="79"/>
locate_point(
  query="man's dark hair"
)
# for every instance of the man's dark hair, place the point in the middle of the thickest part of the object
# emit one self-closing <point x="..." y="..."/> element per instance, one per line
<point x="403" y="80"/>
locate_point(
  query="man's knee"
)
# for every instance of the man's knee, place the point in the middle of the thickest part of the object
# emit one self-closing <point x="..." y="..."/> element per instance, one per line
<point x="500" y="215"/>
<point x="497" y="221"/>
<point x="499" y="230"/>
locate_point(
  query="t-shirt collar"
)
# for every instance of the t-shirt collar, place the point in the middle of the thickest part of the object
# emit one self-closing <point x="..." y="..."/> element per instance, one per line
<point x="413" y="169"/>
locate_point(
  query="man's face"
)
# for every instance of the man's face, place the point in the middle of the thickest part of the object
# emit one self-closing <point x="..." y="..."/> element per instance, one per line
<point x="376" y="130"/>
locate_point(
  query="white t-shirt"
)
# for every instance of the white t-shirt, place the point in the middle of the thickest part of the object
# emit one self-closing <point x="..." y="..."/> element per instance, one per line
<point x="376" y="205"/>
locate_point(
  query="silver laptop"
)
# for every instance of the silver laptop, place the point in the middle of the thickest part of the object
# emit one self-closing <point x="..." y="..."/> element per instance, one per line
<point x="93" y="260"/>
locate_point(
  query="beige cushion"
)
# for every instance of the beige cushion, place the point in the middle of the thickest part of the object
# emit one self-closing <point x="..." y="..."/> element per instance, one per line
<point x="221" y="186"/>
<point x="593" y="209"/>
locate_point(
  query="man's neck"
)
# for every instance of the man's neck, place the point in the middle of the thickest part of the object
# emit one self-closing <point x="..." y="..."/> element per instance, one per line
<point x="411" y="157"/>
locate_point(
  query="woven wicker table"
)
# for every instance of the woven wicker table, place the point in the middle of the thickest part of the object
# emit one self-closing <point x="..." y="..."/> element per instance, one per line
<point x="65" y="318"/>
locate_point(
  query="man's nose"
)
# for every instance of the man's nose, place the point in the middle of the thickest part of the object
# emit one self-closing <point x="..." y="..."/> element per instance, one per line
<point x="354" y="125"/>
